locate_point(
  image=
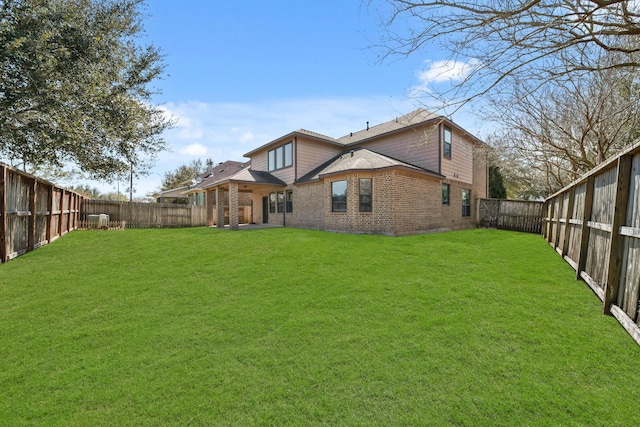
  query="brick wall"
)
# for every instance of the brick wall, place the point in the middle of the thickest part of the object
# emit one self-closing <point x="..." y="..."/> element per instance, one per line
<point x="402" y="203"/>
<point x="309" y="206"/>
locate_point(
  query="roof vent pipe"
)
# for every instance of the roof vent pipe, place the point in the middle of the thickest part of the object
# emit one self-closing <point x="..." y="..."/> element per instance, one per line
<point x="351" y="153"/>
<point x="351" y="134"/>
<point x="367" y="125"/>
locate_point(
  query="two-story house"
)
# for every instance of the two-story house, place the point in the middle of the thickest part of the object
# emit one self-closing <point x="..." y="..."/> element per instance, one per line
<point x="416" y="173"/>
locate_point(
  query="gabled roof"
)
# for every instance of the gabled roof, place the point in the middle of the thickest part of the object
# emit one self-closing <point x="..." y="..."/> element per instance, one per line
<point x="248" y="176"/>
<point x="411" y="119"/>
<point x="417" y="117"/>
<point x="218" y="173"/>
<point x="360" y="159"/>
<point x="291" y="135"/>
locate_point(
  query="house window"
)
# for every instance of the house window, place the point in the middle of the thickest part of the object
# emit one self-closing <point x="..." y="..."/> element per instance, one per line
<point x="280" y="202"/>
<point x="339" y="196"/>
<point x="466" y="203"/>
<point x="272" y="202"/>
<point x="289" y="201"/>
<point x="366" y="185"/>
<point x="445" y="194"/>
<point x="447" y="142"/>
<point x="281" y="157"/>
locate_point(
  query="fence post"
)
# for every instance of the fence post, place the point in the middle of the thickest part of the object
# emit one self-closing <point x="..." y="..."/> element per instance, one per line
<point x="3" y="214"/>
<point x="69" y="206"/>
<point x="61" y="209"/>
<point x="556" y="242"/>
<point x="586" y="230"/>
<point x="50" y="214"/>
<point x="615" y="248"/>
<point x="567" y="219"/>
<point x="31" y="229"/>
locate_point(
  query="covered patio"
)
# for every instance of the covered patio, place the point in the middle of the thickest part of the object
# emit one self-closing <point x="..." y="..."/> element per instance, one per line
<point x="247" y="181"/>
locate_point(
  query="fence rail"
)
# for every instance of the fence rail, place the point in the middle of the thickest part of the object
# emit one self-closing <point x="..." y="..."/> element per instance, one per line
<point x="515" y="215"/>
<point x="33" y="212"/>
<point x="594" y="224"/>
<point x="147" y="215"/>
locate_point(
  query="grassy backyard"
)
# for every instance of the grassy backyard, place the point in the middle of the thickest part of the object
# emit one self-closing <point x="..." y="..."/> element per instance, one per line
<point x="298" y="327"/>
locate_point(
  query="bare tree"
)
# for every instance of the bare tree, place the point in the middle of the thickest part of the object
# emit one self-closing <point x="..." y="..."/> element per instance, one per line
<point x="568" y="127"/>
<point x="515" y="40"/>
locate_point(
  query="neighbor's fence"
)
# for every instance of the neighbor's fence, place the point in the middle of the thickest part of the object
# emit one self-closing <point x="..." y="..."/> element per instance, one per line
<point x="147" y="215"/>
<point x="515" y="215"/>
<point x="594" y="224"/>
<point x="33" y="212"/>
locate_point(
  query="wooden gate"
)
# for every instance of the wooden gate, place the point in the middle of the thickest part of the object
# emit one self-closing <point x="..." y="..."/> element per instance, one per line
<point x="489" y="209"/>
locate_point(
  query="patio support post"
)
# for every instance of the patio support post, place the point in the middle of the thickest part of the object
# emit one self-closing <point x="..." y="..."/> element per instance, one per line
<point x="233" y="205"/>
<point x="220" y="207"/>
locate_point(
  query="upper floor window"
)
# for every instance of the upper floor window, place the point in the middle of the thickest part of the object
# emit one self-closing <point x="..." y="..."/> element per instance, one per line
<point x="447" y="142"/>
<point x="366" y="187"/>
<point x="339" y="196"/>
<point x="281" y="157"/>
<point x="466" y="203"/>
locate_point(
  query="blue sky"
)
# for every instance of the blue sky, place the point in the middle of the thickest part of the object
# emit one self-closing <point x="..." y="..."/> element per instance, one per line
<point x="241" y="74"/>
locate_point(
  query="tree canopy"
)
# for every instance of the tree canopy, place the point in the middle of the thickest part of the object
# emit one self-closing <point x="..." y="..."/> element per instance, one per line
<point x="75" y="86"/>
<point x="182" y="175"/>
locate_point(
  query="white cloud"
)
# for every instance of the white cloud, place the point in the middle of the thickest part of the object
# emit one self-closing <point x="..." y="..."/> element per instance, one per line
<point x="195" y="150"/>
<point x="442" y="72"/>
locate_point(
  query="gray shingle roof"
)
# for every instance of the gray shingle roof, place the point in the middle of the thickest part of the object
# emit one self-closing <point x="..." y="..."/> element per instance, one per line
<point x="220" y="172"/>
<point x="359" y="159"/>
<point x="248" y="175"/>
<point x="413" y="118"/>
<point x="316" y="135"/>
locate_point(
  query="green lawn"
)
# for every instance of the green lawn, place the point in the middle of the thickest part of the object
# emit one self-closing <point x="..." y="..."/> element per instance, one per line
<point x="299" y="327"/>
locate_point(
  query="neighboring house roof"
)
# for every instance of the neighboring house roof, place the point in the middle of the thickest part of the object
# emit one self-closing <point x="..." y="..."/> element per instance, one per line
<point x="173" y="192"/>
<point x="219" y="173"/>
<point x="360" y="159"/>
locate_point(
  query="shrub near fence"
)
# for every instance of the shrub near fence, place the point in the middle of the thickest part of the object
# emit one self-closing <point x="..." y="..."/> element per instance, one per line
<point x="594" y="224"/>
<point x="33" y="212"/>
<point x="147" y="215"/>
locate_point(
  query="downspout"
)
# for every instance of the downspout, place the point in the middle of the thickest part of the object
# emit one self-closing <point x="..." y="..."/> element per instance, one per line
<point x="295" y="158"/>
<point x="440" y="148"/>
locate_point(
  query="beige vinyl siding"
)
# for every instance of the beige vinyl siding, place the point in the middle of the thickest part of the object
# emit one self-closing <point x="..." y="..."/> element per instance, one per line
<point x="260" y="161"/>
<point x="311" y="154"/>
<point x="460" y="166"/>
<point x="480" y="174"/>
<point x="418" y="146"/>
<point x="286" y="174"/>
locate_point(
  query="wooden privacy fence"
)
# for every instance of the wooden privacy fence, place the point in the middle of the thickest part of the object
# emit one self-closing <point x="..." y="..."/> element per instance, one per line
<point x="33" y="212"/>
<point x="515" y="215"/>
<point x="147" y="215"/>
<point x="594" y="224"/>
